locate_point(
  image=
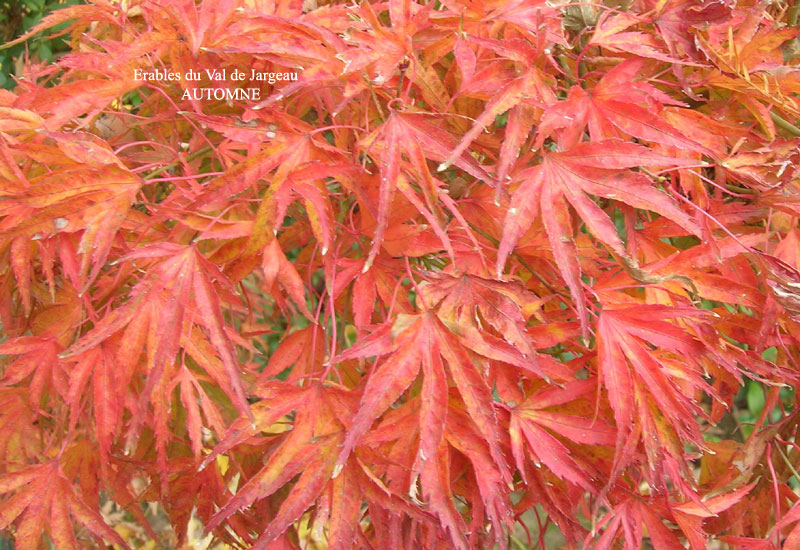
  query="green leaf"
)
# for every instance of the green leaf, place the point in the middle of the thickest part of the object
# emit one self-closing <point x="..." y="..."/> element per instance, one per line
<point x="34" y="5"/>
<point x="44" y="52"/>
<point x="755" y="397"/>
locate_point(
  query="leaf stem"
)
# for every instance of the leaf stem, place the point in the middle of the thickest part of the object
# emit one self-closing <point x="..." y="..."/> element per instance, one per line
<point x="375" y="99"/>
<point x="191" y="157"/>
<point x="791" y="15"/>
<point x="782" y="122"/>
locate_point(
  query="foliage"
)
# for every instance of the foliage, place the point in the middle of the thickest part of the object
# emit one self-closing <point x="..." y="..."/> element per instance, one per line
<point x="482" y="262"/>
<point x="18" y="17"/>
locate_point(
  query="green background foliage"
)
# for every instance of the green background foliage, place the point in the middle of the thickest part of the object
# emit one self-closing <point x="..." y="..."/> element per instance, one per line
<point x="18" y="17"/>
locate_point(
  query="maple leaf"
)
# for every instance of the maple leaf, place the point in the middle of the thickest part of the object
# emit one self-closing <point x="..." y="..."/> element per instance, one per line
<point x="57" y="17"/>
<point x="608" y="33"/>
<point x="618" y="106"/>
<point x="36" y="358"/>
<point x="381" y="47"/>
<point x="655" y="385"/>
<point x="678" y="21"/>
<point x="690" y="515"/>
<point x="410" y="133"/>
<point x="594" y="168"/>
<point x="74" y="99"/>
<point x="467" y="304"/>
<point x="16" y="421"/>
<point x="45" y="499"/>
<point x="106" y="396"/>
<point x="631" y="516"/>
<point x="157" y="313"/>
<point x="19" y="119"/>
<point x="530" y="85"/>
<point x="520" y="122"/>
<point x="310" y="449"/>
<point x="537" y="18"/>
<point x="92" y="199"/>
<point x="302" y="350"/>
<point x="543" y="431"/>
<point x="277" y="269"/>
<point x="423" y="343"/>
<point x="463" y="436"/>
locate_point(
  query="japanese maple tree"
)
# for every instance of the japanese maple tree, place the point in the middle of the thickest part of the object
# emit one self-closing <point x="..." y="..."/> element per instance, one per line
<point x="486" y="274"/>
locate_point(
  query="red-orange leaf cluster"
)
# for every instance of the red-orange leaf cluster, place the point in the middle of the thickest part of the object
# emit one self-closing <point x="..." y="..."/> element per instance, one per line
<point x="483" y="268"/>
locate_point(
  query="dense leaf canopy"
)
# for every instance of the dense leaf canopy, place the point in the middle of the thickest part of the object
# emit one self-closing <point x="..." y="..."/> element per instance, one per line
<point x="467" y="274"/>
